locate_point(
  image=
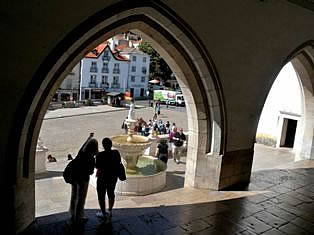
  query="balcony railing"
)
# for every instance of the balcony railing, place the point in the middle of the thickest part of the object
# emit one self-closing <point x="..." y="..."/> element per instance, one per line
<point x="116" y="71"/>
<point x="116" y="85"/>
<point x="92" y="85"/>
<point x="93" y="69"/>
<point x="105" y="70"/>
<point x="104" y="85"/>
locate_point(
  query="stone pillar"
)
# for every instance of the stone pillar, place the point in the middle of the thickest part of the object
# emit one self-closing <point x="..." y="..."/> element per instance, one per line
<point x="212" y="170"/>
<point x="217" y="172"/>
<point x="40" y="158"/>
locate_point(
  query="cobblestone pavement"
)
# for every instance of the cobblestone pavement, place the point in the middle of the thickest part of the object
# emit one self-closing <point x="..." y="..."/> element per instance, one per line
<point x="279" y="200"/>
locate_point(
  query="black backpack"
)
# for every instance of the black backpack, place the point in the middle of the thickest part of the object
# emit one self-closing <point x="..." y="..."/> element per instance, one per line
<point x="69" y="172"/>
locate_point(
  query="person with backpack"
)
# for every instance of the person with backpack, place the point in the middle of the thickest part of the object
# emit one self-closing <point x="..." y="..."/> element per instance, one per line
<point x="108" y="163"/>
<point x="82" y="167"/>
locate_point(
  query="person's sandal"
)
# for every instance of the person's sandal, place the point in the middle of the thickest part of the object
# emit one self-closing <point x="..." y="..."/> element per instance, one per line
<point x="100" y="215"/>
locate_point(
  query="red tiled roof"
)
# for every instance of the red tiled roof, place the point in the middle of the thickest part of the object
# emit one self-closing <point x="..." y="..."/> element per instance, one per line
<point x="96" y="51"/>
<point x="121" y="47"/>
<point x="120" y="57"/>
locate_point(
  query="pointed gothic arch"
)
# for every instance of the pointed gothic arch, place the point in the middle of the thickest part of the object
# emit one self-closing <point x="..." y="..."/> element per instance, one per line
<point x="180" y="48"/>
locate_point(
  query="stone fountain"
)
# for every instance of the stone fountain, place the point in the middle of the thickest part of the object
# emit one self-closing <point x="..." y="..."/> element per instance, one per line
<point x="131" y="146"/>
<point x="145" y="174"/>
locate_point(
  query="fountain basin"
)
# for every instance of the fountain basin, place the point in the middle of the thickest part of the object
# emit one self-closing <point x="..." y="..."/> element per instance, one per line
<point x="144" y="184"/>
<point x="130" y="151"/>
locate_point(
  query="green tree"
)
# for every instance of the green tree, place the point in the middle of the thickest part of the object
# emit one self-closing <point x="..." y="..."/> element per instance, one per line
<point x="158" y="66"/>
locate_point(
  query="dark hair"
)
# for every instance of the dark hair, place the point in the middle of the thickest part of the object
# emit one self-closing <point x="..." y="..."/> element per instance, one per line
<point x="107" y="143"/>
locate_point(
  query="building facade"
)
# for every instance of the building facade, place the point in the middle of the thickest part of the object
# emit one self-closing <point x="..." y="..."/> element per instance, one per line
<point x="69" y="89"/>
<point x="104" y="70"/>
<point x="138" y="71"/>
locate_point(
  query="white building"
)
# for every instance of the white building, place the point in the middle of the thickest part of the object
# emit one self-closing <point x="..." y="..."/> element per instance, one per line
<point x="104" y="70"/>
<point x="138" y="71"/>
<point x="70" y="87"/>
<point x="279" y="124"/>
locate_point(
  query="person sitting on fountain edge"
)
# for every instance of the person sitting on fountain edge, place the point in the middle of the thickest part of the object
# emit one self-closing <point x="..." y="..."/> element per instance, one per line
<point x="107" y="165"/>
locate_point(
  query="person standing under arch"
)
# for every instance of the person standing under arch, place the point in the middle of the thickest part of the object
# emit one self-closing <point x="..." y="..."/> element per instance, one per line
<point x="107" y="165"/>
<point x="83" y="168"/>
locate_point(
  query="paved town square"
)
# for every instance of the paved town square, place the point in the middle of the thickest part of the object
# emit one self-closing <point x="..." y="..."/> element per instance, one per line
<point x="64" y="131"/>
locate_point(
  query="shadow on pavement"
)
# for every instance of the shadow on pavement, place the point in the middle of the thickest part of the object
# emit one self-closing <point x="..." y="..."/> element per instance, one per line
<point x="278" y="202"/>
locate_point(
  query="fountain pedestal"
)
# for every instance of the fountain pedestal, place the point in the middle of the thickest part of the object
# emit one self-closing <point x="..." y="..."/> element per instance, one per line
<point x="142" y="179"/>
<point x="130" y="151"/>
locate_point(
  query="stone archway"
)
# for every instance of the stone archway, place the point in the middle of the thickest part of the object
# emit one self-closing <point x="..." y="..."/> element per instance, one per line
<point x="186" y="56"/>
<point x="303" y="64"/>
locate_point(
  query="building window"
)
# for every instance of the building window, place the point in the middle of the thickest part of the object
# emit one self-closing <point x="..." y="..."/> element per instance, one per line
<point x="134" y="58"/>
<point x="144" y="70"/>
<point x="133" y="69"/>
<point x="93" y="78"/>
<point x="116" y="68"/>
<point x="92" y="82"/>
<point x="106" y="56"/>
<point x="115" y="80"/>
<point x="104" y="79"/>
<point x="144" y="59"/>
<point x="142" y="79"/>
<point x="132" y="78"/>
<point x="93" y="67"/>
<point x="105" y="68"/>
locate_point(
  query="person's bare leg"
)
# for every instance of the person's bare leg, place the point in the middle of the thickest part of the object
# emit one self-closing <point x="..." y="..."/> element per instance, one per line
<point x="82" y="193"/>
<point x="73" y="202"/>
<point x="111" y="204"/>
<point x="102" y="204"/>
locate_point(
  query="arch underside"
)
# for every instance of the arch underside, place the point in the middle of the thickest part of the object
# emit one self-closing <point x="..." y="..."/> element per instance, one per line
<point x="303" y="64"/>
<point x="180" y="50"/>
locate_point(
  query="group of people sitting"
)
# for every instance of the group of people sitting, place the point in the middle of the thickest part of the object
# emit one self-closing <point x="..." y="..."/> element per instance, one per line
<point x="174" y="145"/>
<point x="150" y="128"/>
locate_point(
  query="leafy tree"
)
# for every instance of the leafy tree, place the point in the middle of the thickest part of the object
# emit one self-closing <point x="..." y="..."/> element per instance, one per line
<point x="158" y="66"/>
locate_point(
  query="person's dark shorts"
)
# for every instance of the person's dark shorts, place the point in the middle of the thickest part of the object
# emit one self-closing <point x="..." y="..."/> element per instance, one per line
<point x="106" y="186"/>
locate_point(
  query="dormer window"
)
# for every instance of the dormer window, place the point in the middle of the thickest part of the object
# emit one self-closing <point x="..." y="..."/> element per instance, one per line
<point x="106" y="56"/>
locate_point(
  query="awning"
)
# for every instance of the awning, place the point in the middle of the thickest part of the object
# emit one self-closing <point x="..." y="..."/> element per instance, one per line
<point x="155" y="81"/>
<point x="113" y="94"/>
